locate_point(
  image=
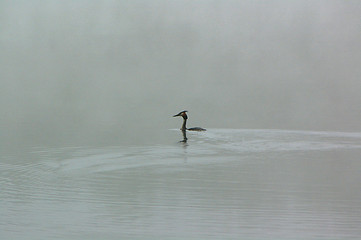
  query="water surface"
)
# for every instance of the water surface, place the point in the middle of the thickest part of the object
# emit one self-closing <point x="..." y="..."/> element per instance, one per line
<point x="221" y="184"/>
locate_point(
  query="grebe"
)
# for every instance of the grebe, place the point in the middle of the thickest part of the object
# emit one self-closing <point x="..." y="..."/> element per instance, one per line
<point x="185" y="117"/>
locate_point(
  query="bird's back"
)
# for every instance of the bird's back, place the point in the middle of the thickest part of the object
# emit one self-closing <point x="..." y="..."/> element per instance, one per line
<point x="199" y="129"/>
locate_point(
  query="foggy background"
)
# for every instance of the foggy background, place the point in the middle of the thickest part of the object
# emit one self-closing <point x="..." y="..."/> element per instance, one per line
<point x="73" y="71"/>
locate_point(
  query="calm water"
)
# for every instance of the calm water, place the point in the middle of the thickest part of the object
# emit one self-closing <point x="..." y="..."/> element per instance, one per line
<point x="222" y="184"/>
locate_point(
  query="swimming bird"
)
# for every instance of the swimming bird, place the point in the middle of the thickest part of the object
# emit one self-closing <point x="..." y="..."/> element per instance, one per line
<point x="183" y="114"/>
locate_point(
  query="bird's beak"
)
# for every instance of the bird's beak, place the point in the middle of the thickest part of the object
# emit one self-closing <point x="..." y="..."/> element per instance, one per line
<point x="177" y="115"/>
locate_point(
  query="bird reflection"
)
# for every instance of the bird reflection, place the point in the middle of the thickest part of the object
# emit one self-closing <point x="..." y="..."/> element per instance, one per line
<point x="184" y="136"/>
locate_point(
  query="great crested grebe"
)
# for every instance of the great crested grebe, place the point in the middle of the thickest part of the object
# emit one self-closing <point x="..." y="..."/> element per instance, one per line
<point x="185" y="117"/>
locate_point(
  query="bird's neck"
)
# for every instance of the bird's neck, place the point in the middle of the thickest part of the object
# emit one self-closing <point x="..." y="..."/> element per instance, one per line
<point x="184" y="124"/>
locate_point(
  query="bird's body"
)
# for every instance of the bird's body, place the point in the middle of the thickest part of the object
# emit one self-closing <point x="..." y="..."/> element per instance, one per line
<point x="185" y="117"/>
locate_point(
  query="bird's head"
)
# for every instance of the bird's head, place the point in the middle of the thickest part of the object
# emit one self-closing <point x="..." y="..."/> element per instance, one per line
<point x="182" y="114"/>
